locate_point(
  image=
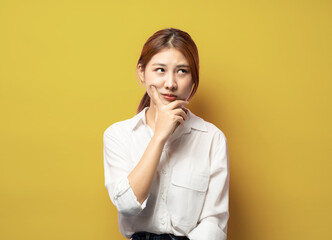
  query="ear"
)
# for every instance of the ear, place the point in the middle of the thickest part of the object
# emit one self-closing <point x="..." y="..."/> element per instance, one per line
<point x="140" y="73"/>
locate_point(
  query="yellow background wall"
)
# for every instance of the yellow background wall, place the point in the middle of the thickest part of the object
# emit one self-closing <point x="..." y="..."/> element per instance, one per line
<point x="67" y="72"/>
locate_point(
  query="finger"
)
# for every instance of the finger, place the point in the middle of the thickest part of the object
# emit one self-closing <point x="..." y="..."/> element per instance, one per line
<point x="180" y="112"/>
<point x="180" y="120"/>
<point x="177" y="124"/>
<point x="177" y="104"/>
<point x="155" y="96"/>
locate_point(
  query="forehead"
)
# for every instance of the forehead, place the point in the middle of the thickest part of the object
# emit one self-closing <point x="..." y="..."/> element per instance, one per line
<point x="169" y="56"/>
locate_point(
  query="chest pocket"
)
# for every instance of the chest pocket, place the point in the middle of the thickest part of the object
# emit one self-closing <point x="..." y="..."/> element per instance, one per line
<point x="193" y="181"/>
<point x="185" y="198"/>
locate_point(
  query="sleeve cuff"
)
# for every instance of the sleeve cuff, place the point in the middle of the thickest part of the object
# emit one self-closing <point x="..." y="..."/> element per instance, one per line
<point x="125" y="199"/>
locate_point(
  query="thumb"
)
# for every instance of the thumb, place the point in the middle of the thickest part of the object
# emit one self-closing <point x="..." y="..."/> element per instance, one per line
<point x="155" y="96"/>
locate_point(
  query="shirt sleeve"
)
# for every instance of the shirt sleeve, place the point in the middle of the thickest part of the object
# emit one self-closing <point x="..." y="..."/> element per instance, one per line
<point x="117" y="166"/>
<point x="212" y="224"/>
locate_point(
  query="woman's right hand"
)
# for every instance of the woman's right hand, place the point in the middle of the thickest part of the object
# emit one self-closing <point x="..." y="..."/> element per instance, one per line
<point x="168" y="116"/>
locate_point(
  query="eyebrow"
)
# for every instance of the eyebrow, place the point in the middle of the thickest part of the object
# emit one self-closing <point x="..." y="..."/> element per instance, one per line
<point x="164" y="65"/>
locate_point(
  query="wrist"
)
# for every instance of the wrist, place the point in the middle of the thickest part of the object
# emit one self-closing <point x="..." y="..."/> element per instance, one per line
<point x="158" y="139"/>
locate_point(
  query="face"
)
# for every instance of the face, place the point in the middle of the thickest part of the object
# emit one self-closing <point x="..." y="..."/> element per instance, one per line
<point x="169" y="72"/>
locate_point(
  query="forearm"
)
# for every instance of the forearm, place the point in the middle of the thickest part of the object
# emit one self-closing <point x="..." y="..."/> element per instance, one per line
<point x="142" y="175"/>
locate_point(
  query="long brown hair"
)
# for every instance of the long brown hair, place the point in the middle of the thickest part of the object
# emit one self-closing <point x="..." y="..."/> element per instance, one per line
<point x="170" y="38"/>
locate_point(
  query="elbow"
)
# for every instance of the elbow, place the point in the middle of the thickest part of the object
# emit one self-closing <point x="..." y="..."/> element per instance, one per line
<point x="127" y="203"/>
<point x="129" y="212"/>
<point x="127" y="208"/>
<point x="124" y="198"/>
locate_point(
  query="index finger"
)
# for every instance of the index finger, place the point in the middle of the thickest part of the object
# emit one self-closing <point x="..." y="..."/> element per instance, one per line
<point x="177" y="103"/>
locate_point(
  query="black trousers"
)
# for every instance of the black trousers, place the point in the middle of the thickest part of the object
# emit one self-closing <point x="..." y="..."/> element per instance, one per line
<point x="153" y="236"/>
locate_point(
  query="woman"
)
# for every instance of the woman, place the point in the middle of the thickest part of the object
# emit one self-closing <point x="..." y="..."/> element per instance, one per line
<point x="167" y="170"/>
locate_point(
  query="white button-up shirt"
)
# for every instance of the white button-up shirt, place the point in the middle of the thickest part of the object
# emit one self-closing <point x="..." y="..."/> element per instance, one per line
<point x="190" y="191"/>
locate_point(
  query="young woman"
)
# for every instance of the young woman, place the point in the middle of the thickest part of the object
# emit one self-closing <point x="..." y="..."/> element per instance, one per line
<point x="166" y="169"/>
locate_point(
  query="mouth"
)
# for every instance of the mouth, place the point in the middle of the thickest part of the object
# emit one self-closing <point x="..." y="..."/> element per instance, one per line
<point x="169" y="97"/>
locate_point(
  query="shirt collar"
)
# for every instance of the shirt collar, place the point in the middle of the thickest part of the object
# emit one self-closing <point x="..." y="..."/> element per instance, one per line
<point x="193" y="121"/>
<point x="139" y="118"/>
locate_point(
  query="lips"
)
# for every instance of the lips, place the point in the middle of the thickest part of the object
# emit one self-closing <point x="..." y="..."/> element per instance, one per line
<point x="169" y="97"/>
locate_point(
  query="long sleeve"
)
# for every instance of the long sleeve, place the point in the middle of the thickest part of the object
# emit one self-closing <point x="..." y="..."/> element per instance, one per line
<point x="117" y="166"/>
<point x="213" y="220"/>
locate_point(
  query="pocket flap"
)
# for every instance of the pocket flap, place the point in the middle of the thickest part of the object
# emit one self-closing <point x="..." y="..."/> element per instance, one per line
<point x="188" y="179"/>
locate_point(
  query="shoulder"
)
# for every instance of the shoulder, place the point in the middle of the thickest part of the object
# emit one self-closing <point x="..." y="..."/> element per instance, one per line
<point x="122" y="127"/>
<point x="207" y="127"/>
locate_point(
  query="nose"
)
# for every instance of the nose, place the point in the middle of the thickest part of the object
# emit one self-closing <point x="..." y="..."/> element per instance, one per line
<point x="170" y="82"/>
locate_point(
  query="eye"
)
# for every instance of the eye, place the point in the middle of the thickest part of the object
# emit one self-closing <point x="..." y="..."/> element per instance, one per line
<point x="183" y="71"/>
<point x="160" y="70"/>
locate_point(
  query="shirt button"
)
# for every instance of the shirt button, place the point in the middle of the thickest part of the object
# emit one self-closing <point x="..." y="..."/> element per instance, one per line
<point x="163" y="222"/>
<point x="163" y="196"/>
<point x="163" y="171"/>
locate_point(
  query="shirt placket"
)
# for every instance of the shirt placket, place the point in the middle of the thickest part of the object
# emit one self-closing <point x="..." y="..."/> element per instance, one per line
<point x="165" y="175"/>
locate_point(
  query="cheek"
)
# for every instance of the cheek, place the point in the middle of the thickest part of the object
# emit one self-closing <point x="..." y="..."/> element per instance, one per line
<point x="189" y="91"/>
<point x="153" y="79"/>
<point x="186" y="90"/>
<point x="150" y="79"/>
<point x="188" y="86"/>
